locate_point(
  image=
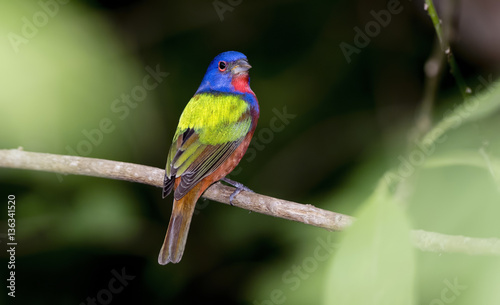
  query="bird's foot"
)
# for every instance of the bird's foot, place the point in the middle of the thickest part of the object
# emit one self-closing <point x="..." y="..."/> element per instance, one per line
<point x="239" y="187"/>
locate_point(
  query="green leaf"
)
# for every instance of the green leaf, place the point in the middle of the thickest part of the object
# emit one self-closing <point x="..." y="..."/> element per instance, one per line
<point x="375" y="261"/>
<point x="473" y="109"/>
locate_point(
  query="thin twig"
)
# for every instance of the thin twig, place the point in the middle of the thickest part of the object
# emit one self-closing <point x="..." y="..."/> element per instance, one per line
<point x="308" y="214"/>
<point x="436" y="242"/>
<point x="444" y="33"/>
<point x="433" y="73"/>
<point x="434" y="66"/>
<point x="431" y="10"/>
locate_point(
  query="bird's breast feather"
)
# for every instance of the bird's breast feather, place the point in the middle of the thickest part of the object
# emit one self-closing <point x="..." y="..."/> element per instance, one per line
<point x="216" y="118"/>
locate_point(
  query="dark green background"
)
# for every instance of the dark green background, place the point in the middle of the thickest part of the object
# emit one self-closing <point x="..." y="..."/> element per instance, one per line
<point x="351" y="121"/>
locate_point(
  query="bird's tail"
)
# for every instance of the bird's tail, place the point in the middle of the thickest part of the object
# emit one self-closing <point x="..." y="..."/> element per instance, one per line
<point x="178" y="227"/>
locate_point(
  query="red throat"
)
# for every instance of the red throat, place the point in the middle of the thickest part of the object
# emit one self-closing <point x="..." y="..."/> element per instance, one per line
<point x="240" y="83"/>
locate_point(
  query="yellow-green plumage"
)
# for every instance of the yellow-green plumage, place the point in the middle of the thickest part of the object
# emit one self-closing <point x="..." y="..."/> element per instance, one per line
<point x="209" y="130"/>
<point x="190" y="152"/>
<point x="215" y="117"/>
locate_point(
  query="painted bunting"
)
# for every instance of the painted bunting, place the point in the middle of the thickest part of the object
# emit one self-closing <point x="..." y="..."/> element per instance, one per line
<point x="212" y="136"/>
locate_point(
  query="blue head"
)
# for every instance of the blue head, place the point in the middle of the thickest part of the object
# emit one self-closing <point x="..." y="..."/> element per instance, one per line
<point x="228" y="72"/>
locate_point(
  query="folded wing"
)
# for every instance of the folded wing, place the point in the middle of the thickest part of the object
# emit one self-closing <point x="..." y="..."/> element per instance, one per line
<point x="201" y="144"/>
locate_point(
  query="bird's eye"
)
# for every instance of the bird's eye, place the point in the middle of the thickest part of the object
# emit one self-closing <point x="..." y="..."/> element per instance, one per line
<point x="222" y="66"/>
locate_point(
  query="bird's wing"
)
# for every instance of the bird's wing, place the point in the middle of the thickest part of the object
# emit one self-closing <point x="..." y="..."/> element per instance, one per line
<point x="210" y="129"/>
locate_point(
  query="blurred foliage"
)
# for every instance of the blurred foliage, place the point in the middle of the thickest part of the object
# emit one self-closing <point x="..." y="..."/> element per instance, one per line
<point x="375" y="256"/>
<point x="348" y="125"/>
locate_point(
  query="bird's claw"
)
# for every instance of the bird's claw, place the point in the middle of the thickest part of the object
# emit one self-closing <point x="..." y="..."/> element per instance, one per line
<point x="239" y="187"/>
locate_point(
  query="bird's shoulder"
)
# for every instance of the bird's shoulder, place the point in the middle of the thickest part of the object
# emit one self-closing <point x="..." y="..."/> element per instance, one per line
<point x="216" y="117"/>
<point x="213" y="108"/>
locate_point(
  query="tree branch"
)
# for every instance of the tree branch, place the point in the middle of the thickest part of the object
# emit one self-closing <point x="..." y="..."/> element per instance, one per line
<point x="305" y="213"/>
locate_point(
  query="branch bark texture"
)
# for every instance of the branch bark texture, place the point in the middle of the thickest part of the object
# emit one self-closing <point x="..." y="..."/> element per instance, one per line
<point x="305" y="213"/>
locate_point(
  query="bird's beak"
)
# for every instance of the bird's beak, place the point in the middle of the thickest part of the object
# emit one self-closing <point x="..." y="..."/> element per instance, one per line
<point x="241" y="66"/>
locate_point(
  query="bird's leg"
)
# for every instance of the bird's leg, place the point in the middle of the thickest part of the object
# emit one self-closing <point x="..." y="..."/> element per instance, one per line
<point x="239" y="187"/>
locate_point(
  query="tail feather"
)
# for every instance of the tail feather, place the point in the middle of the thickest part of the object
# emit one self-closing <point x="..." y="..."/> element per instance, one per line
<point x="178" y="228"/>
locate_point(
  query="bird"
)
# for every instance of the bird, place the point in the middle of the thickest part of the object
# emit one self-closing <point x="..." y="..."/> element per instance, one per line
<point x="212" y="136"/>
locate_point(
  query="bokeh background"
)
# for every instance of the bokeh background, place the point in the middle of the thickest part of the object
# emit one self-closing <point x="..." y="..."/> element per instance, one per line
<point x="68" y="67"/>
